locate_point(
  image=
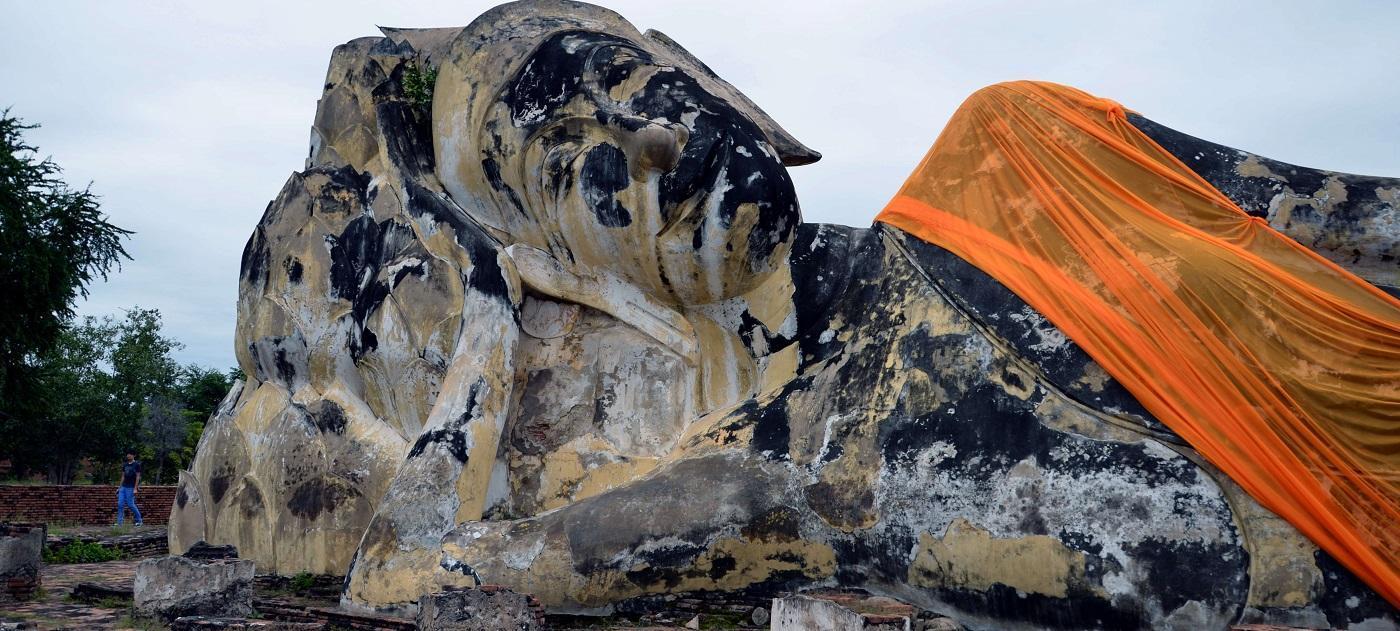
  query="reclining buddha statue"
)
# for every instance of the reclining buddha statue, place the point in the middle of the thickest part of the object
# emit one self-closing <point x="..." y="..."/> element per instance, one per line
<point x="541" y="311"/>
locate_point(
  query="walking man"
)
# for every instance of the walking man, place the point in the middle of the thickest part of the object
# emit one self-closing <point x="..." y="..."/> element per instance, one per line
<point x="126" y="496"/>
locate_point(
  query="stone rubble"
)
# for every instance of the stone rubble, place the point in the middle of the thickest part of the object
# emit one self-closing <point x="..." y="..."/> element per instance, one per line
<point x="208" y="552"/>
<point x="840" y="610"/>
<point x="486" y="608"/>
<point x="21" y="557"/>
<point x="173" y="587"/>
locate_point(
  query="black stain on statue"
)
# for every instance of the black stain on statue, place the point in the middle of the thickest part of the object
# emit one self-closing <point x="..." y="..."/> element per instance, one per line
<point x="492" y="170"/>
<point x="255" y="256"/>
<point x="327" y="416"/>
<point x="294" y="269"/>
<point x="220" y="481"/>
<point x="1345" y="599"/>
<point x="604" y="175"/>
<point x="454" y="441"/>
<point x="1175" y="569"/>
<point x="453" y="435"/>
<point x="313" y="497"/>
<point x="486" y="275"/>
<point x="770" y="422"/>
<point x="285" y="370"/>
<point x="250" y="500"/>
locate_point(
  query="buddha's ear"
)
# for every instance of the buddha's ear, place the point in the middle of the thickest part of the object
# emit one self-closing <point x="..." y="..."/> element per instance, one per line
<point x="792" y="152"/>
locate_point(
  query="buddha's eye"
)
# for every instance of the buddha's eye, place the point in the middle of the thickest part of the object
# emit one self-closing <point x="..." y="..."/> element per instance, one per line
<point x="610" y="66"/>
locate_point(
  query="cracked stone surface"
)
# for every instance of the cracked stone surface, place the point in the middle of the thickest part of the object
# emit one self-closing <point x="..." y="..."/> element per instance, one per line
<point x="174" y="587"/>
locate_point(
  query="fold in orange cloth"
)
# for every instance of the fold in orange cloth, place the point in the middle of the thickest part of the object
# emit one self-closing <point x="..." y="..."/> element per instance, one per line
<point x="1278" y="366"/>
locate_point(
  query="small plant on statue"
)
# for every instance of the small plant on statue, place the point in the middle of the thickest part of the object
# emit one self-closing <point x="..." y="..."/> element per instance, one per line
<point x="418" y="83"/>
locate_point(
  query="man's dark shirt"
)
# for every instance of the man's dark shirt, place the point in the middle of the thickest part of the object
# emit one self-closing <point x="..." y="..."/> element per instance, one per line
<point x="129" y="472"/>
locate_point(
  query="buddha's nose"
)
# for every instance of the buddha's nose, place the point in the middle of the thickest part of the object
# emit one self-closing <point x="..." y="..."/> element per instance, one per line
<point x="649" y="145"/>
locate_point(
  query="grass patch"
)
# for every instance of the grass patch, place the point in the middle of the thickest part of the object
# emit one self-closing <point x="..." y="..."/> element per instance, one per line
<point x="302" y="582"/>
<point x="60" y="527"/>
<point x="143" y="623"/>
<point x="82" y="552"/>
<point x="120" y="530"/>
<point x="722" y="620"/>
<point x="112" y="602"/>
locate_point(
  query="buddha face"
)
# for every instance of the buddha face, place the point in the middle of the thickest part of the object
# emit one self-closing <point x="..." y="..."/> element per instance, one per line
<point x="618" y="161"/>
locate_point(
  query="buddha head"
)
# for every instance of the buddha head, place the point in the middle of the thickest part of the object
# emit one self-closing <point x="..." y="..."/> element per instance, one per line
<point x="559" y="126"/>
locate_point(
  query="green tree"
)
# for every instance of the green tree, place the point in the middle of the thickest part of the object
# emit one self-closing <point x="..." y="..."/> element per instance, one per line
<point x="108" y="385"/>
<point x="147" y="390"/>
<point x="202" y="389"/>
<point x="165" y="427"/>
<point x="54" y="242"/>
<point x="142" y="361"/>
<point x="79" y="417"/>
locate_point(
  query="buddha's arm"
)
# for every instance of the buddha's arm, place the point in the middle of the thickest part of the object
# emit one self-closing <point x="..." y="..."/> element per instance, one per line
<point x="444" y="478"/>
<point x="720" y="521"/>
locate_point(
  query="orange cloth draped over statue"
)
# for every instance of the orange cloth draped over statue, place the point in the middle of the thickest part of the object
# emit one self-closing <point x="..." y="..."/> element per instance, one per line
<point x="1278" y="366"/>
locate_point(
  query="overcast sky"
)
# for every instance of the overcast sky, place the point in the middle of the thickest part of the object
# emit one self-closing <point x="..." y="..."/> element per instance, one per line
<point x="187" y="118"/>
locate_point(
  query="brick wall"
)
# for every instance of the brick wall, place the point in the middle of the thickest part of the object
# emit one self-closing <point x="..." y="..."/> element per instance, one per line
<point x="94" y="504"/>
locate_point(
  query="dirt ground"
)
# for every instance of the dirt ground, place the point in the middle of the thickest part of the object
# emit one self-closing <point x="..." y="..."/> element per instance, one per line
<point x="53" y="610"/>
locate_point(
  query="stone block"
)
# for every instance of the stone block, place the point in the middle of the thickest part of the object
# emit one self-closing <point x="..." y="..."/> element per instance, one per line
<point x="174" y="587"/>
<point x="21" y="558"/>
<point x="801" y="613"/>
<point x="208" y="552"/>
<point x="487" y="608"/>
<point x="93" y="592"/>
<point x="936" y="622"/>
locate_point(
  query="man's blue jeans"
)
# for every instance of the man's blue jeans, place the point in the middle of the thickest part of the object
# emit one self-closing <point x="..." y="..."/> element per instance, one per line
<point x="127" y="497"/>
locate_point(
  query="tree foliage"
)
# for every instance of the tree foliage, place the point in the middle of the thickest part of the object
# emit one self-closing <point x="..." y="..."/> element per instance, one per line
<point x="54" y="242"/>
<point x="164" y="425"/>
<point x="72" y="413"/>
<point x="110" y="385"/>
<point x="75" y="393"/>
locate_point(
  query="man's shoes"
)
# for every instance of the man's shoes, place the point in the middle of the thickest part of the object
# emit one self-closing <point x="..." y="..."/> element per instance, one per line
<point x="140" y="524"/>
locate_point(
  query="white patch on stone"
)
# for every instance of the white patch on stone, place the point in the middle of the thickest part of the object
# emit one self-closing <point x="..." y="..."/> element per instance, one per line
<point x="498" y="487"/>
<point x="1050" y="339"/>
<point x="1118" y="585"/>
<point x="394" y="269"/>
<point x="934" y="454"/>
<point x="520" y="559"/>
<point x="788" y="328"/>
